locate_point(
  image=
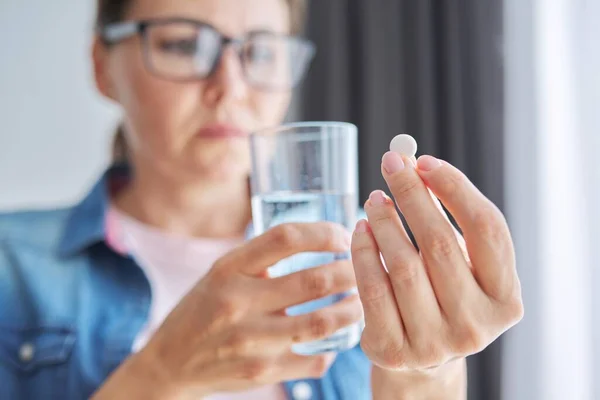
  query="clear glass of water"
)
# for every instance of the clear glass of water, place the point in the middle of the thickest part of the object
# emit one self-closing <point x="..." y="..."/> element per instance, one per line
<point x="307" y="172"/>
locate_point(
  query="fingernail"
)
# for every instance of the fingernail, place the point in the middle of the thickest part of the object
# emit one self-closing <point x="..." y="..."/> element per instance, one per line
<point x="361" y="226"/>
<point x="378" y="198"/>
<point x="428" y="163"/>
<point x="392" y="162"/>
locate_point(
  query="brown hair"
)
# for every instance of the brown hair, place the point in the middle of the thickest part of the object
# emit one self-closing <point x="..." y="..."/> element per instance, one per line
<point x="111" y="11"/>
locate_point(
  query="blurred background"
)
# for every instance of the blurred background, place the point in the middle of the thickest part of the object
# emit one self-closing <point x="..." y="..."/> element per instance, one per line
<point x="507" y="90"/>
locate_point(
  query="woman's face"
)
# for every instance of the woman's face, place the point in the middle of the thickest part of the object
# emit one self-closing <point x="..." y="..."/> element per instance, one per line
<point x="165" y="119"/>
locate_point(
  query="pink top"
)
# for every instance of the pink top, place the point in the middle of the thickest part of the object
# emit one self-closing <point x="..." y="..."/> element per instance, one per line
<point x="172" y="264"/>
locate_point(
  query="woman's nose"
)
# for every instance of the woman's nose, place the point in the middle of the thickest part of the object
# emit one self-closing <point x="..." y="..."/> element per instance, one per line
<point x="227" y="82"/>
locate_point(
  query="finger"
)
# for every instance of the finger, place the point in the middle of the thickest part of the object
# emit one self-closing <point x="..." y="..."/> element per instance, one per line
<point x="303" y="286"/>
<point x="438" y="205"/>
<point x="448" y="270"/>
<point x="432" y="231"/>
<point x="374" y="286"/>
<point x="415" y="297"/>
<point x="317" y="324"/>
<point x="484" y="227"/>
<point x="249" y="372"/>
<point x="285" y="240"/>
<point x="275" y="334"/>
<point x="459" y="237"/>
<point x="286" y="367"/>
<point x="303" y="367"/>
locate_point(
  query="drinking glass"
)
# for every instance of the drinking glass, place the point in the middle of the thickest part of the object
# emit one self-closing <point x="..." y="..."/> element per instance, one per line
<point x="307" y="172"/>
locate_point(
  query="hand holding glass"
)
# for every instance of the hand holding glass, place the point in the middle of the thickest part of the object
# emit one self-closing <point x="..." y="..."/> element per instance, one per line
<point x="307" y="172"/>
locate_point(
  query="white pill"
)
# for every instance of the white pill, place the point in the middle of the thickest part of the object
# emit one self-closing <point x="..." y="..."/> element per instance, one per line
<point x="404" y="144"/>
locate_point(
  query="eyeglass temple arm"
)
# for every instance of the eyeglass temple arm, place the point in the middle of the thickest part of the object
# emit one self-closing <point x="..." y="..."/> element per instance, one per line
<point x="119" y="31"/>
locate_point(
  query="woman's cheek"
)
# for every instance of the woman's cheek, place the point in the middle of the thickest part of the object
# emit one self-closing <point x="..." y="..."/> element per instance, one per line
<point x="272" y="107"/>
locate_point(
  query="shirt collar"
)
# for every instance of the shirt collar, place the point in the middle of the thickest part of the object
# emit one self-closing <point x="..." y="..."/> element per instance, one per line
<point x="85" y="225"/>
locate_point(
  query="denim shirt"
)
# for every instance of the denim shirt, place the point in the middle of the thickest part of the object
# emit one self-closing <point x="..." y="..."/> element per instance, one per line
<point x="70" y="308"/>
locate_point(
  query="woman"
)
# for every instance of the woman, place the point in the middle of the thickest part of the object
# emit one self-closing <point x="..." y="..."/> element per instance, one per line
<point x="82" y="318"/>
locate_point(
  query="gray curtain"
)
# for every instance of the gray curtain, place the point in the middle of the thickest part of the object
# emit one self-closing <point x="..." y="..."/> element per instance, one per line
<point x="432" y="69"/>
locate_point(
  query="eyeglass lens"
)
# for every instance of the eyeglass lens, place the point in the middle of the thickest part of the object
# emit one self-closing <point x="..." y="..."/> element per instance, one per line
<point x="180" y="50"/>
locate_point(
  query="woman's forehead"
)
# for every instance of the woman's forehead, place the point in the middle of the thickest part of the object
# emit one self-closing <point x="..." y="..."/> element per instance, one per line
<point x="231" y="17"/>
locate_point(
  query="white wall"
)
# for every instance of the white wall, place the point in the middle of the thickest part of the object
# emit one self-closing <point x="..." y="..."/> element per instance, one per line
<point x="521" y="380"/>
<point x="552" y="177"/>
<point x="55" y="130"/>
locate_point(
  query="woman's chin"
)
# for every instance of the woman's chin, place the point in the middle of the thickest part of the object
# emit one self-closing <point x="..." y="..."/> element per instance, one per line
<point x="218" y="161"/>
<point x="226" y="169"/>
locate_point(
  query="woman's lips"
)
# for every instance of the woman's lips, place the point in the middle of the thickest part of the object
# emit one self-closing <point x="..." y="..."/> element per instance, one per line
<point x="218" y="131"/>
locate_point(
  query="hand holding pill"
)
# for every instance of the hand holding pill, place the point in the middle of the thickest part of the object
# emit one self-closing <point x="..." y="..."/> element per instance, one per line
<point x="453" y="296"/>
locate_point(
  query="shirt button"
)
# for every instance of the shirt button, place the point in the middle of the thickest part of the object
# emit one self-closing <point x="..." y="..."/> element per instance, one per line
<point x="26" y="352"/>
<point x="302" y="391"/>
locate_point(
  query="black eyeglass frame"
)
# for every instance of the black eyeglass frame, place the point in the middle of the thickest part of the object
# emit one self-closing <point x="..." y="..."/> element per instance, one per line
<point x="113" y="33"/>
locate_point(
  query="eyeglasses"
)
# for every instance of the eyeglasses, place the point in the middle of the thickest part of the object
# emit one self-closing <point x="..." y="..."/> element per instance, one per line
<point x="181" y="49"/>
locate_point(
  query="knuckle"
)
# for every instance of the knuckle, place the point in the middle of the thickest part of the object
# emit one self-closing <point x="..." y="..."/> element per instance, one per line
<point x="487" y="223"/>
<point x="321" y="325"/>
<point x="219" y="273"/>
<point x="441" y="244"/>
<point x="362" y="249"/>
<point x="238" y="342"/>
<point x="514" y="309"/>
<point x="403" y="270"/>
<point x="450" y="184"/>
<point x="368" y="348"/>
<point x="389" y="354"/>
<point x="381" y="219"/>
<point x="430" y="354"/>
<point x="518" y="309"/>
<point x="403" y="188"/>
<point x="331" y="234"/>
<point x="256" y="371"/>
<point x="392" y="355"/>
<point x="227" y="309"/>
<point x="469" y="339"/>
<point x="286" y="236"/>
<point x="374" y="292"/>
<point x="318" y="283"/>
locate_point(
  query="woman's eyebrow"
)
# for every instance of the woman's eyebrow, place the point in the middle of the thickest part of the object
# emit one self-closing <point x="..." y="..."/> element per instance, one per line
<point x="259" y="31"/>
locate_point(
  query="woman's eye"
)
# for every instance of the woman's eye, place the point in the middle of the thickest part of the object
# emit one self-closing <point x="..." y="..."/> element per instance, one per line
<point x="180" y="46"/>
<point x="260" y="54"/>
